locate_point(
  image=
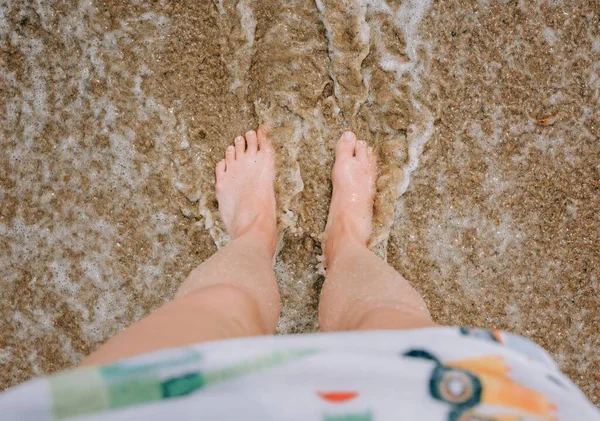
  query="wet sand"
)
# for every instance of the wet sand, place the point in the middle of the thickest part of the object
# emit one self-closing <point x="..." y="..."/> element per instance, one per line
<point x="485" y="116"/>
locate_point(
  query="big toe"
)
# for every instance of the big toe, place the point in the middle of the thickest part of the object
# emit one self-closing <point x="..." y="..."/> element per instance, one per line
<point x="345" y="145"/>
<point x="264" y="141"/>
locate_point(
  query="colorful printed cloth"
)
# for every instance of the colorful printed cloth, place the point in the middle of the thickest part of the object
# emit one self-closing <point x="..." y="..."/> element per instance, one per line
<point x="425" y="374"/>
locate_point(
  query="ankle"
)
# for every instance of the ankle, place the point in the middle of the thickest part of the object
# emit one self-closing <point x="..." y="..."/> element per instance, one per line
<point x="262" y="234"/>
<point x="339" y="237"/>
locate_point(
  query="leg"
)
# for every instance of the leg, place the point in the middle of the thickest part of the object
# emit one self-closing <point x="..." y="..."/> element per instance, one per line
<point x="361" y="291"/>
<point x="234" y="293"/>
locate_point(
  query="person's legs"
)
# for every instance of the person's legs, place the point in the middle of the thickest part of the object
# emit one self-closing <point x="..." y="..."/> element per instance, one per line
<point x="361" y="291"/>
<point x="234" y="293"/>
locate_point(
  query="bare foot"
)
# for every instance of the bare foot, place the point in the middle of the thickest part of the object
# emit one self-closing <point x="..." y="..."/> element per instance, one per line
<point x="245" y="187"/>
<point x="351" y="210"/>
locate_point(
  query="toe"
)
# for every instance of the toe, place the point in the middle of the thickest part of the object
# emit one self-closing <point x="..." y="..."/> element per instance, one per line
<point x="230" y="155"/>
<point x="361" y="151"/>
<point x="252" y="141"/>
<point x="264" y="142"/>
<point x="345" y="146"/>
<point x="220" y="169"/>
<point x="240" y="146"/>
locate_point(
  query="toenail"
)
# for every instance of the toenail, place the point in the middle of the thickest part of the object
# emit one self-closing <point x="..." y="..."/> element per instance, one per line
<point x="362" y="143"/>
<point x="370" y="149"/>
<point x="348" y="136"/>
<point x="239" y="139"/>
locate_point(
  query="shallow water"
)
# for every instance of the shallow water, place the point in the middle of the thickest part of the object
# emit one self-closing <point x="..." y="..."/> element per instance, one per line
<point x="485" y="116"/>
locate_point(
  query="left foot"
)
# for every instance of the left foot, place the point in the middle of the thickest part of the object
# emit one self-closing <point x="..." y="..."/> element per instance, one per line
<point x="244" y="187"/>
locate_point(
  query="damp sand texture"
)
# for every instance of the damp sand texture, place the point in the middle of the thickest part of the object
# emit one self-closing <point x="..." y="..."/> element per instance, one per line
<point x="485" y="116"/>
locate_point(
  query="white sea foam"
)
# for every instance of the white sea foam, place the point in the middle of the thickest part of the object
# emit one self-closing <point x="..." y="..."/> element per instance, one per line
<point x="408" y="18"/>
<point x="408" y="69"/>
<point x="595" y="44"/>
<point x="5" y="355"/>
<point x="289" y="217"/>
<point x="220" y="7"/>
<point x="550" y="36"/>
<point x="247" y="21"/>
<point x="300" y="285"/>
<point x="240" y="62"/>
<point x="210" y="223"/>
<point x="445" y="238"/>
<point x="120" y="173"/>
<point x="4" y="28"/>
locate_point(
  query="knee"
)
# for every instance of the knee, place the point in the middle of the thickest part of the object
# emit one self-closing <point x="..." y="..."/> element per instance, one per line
<point x="380" y="316"/>
<point x="236" y="307"/>
<point x="393" y="316"/>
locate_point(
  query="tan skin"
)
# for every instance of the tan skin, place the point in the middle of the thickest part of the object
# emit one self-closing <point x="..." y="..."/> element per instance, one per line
<point x="235" y="293"/>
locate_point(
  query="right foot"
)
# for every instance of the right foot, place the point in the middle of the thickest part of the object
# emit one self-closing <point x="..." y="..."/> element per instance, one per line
<point x="245" y="187"/>
<point x="351" y="210"/>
